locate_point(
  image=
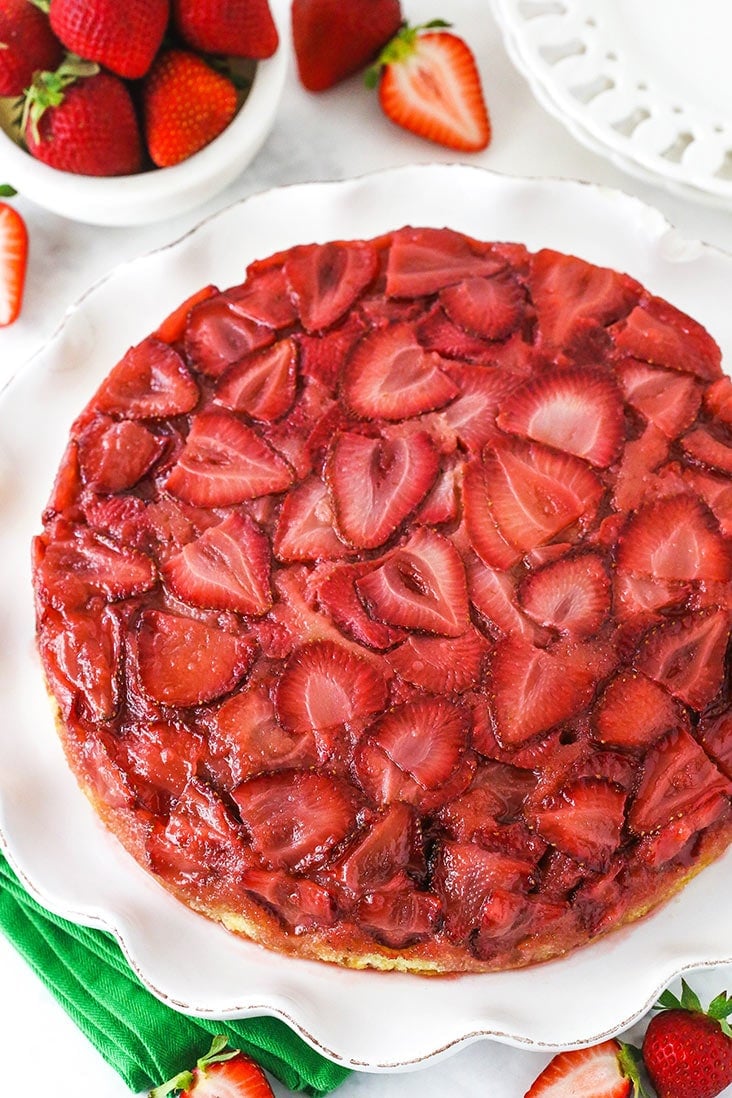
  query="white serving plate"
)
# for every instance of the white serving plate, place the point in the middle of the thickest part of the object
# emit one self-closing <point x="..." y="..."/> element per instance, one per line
<point x="645" y="84"/>
<point x="368" y="1020"/>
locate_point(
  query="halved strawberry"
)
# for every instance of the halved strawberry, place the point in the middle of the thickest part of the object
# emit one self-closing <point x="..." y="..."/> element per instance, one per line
<point x="687" y="655"/>
<point x="636" y="475"/>
<point x="261" y="384"/>
<point x="324" y="685"/>
<point x="419" y="586"/>
<point x="82" y="563"/>
<point x="675" y="539"/>
<point x="715" y="736"/>
<point x="375" y="483"/>
<point x="326" y="279"/>
<point x="658" y="333"/>
<point x="295" y="817"/>
<point x="633" y="711"/>
<point x="304" y="529"/>
<point x="487" y="307"/>
<point x="226" y="568"/>
<point x="532" y="689"/>
<point x="299" y="902"/>
<point x="265" y="296"/>
<point x="224" y="461"/>
<point x="151" y="381"/>
<point x="664" y="398"/>
<point x="423" y="261"/>
<point x="81" y="658"/>
<point x="465" y="875"/>
<point x="424" y="738"/>
<point x="578" y="411"/>
<point x="571" y="595"/>
<point x="601" y="1071"/>
<point x="480" y="523"/>
<point x="390" y="844"/>
<point x="441" y="665"/>
<point x="185" y="662"/>
<point x="702" y="446"/>
<point x="335" y="587"/>
<point x="677" y="776"/>
<point x="114" y="456"/>
<point x="493" y="594"/>
<point x="389" y="376"/>
<point x="584" y="821"/>
<point x="219" y="333"/>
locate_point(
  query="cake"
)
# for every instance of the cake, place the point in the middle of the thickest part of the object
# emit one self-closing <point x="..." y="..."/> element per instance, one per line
<point x="384" y="602"/>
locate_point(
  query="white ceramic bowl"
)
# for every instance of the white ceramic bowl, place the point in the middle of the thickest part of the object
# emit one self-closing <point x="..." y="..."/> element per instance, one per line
<point x="163" y="192"/>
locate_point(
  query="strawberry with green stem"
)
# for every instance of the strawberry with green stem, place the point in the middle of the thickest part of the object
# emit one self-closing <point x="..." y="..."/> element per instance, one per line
<point x="27" y="44"/>
<point x="221" y="1073"/>
<point x="688" y="1050"/>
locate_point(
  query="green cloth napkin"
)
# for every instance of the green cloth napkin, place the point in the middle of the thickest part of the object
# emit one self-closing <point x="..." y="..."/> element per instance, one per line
<point x="144" y="1040"/>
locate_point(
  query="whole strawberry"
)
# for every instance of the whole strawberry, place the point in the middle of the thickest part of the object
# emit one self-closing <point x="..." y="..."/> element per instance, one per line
<point x="241" y="28"/>
<point x="81" y="120"/>
<point x="333" y="40"/>
<point x="122" y="36"/>
<point x="27" y="44"/>
<point x="687" y="1050"/>
<point x="186" y="104"/>
<point x="219" y="1074"/>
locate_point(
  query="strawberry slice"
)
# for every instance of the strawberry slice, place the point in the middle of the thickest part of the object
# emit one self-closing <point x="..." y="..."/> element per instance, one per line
<point x="572" y="297"/>
<point x="571" y="595"/>
<point x="532" y="689"/>
<point x="424" y="261"/>
<point x="77" y="566"/>
<point x="389" y="376"/>
<point x="487" y="307"/>
<point x="677" y="776"/>
<point x="304" y="529"/>
<point x="480" y="523"/>
<point x="392" y="843"/>
<point x="201" y="841"/>
<point x="644" y="598"/>
<point x="219" y="333"/>
<point x="173" y="327"/>
<point x="465" y="876"/>
<point x="493" y="594"/>
<point x="603" y="1071"/>
<point x="224" y="462"/>
<point x="13" y="261"/>
<point x="399" y="917"/>
<point x="264" y="297"/>
<point x="326" y="279"/>
<point x="702" y="446"/>
<point x="436" y="332"/>
<point x="324" y="685"/>
<point x="578" y="411"/>
<point x="440" y="665"/>
<point x="419" y="586"/>
<point x="536" y="493"/>
<point x="585" y="821"/>
<point x="669" y="401"/>
<point x="375" y="483"/>
<point x="658" y="333"/>
<point x="81" y="658"/>
<point x="185" y="662"/>
<point x="669" y="841"/>
<point x="300" y="903"/>
<point x="633" y="711"/>
<point x="114" y="456"/>
<point x="472" y="415"/>
<point x="675" y="539"/>
<point x="261" y="384"/>
<point x="496" y="794"/>
<point x="717" y="494"/>
<point x="151" y="381"/>
<point x="715" y="736"/>
<point x="440" y="505"/>
<point x="226" y="568"/>
<point x="424" y="738"/>
<point x="296" y="817"/>
<point x="335" y="587"/>
<point x="159" y="757"/>
<point x="687" y="656"/>
<point x="323" y="356"/>
<point x="718" y="400"/>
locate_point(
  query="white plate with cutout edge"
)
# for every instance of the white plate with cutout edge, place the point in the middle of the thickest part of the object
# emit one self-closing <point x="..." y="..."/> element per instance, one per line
<point x="369" y="1020"/>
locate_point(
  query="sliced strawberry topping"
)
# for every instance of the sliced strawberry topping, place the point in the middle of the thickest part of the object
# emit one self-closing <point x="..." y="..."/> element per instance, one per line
<point x="227" y="568"/>
<point x="225" y="462"/>
<point x="633" y="711"/>
<point x="675" y="539"/>
<point x="441" y="665"/>
<point x="384" y="782"/>
<point x="436" y="332"/>
<point x="717" y="494"/>
<point x="399" y="917"/>
<point x="419" y="586"/>
<point x="715" y="736"/>
<point x="440" y="505"/>
<point x="335" y="587"/>
<point x="295" y="817"/>
<point x="261" y="384"/>
<point x="702" y="446"/>
<point x="578" y="411"/>
<point x="585" y="821"/>
<point x="668" y="842"/>
<point x="687" y="656"/>
<point x="571" y="595"/>
<point x="424" y="738"/>
<point x="480" y="522"/>
<point x="81" y="564"/>
<point x="300" y="903"/>
<point x="496" y="796"/>
<point x="375" y="483"/>
<point x="185" y="662"/>
<point x="265" y="297"/>
<point x="658" y="333"/>
<point x="326" y="279"/>
<point x="304" y="529"/>
<point x="718" y="400"/>
<point x="493" y="594"/>
<point x="392" y="842"/>
<point x="533" y="689"/>
<point x="173" y="327"/>
<point x="217" y="334"/>
<point x="665" y="399"/>
<point x="150" y="382"/>
<point x="323" y="356"/>
<point x="465" y="876"/>
<point x="82" y="658"/>
<point x="114" y="456"/>
<point x="536" y="493"/>
<point x="325" y="684"/>
<point x="488" y="307"/>
<point x="423" y="261"/>
<point x="159" y="757"/>
<point x="389" y="376"/>
<point x="677" y="776"/>
<point x="201" y="842"/>
<point x="472" y="415"/>
<point x="643" y="597"/>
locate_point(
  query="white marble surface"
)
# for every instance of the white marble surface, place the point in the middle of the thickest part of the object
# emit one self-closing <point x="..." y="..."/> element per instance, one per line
<point x="331" y="136"/>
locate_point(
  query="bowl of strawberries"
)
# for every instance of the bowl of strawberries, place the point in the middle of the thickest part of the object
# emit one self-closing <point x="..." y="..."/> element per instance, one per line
<point x="124" y="114"/>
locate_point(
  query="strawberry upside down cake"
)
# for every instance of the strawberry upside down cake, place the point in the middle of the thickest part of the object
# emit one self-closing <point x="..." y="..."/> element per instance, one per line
<point x="385" y="599"/>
